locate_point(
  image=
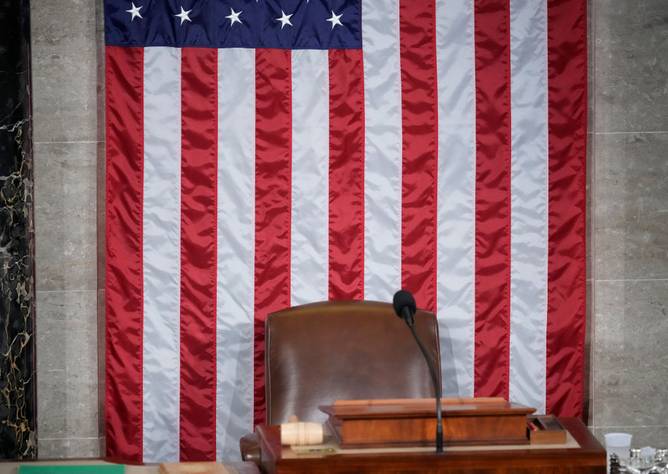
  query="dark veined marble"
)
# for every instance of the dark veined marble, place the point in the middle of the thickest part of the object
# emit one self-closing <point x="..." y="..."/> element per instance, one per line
<point x="17" y="291"/>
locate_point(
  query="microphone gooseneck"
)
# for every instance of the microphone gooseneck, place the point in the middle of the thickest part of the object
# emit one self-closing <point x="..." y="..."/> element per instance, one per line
<point x="405" y="308"/>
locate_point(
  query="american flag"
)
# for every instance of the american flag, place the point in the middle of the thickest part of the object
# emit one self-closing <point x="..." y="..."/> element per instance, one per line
<point x="262" y="154"/>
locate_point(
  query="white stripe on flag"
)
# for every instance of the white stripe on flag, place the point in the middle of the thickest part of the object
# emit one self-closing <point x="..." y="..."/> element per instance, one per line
<point x="456" y="193"/>
<point x="382" y="161"/>
<point x="161" y="252"/>
<point x="309" y="265"/>
<point x="528" y="294"/>
<point x="236" y="233"/>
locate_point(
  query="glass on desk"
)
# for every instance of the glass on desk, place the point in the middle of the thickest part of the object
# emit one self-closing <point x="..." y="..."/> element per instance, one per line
<point x="641" y="461"/>
<point x="619" y="444"/>
<point x="661" y="461"/>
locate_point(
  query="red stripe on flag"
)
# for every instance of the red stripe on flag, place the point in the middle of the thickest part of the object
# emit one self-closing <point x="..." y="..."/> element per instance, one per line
<point x="273" y="172"/>
<point x="199" y="150"/>
<point x="346" y="174"/>
<point x="419" y="96"/>
<point x="567" y="121"/>
<point x="124" y="273"/>
<point x="492" y="265"/>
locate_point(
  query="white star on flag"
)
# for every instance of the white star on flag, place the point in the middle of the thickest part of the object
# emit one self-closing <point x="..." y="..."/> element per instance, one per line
<point x="284" y="19"/>
<point x="184" y="15"/>
<point x="134" y="11"/>
<point x="335" y="19"/>
<point x="234" y="16"/>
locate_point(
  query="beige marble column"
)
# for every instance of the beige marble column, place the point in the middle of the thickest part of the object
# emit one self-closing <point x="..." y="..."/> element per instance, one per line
<point x="628" y="179"/>
<point x="68" y="132"/>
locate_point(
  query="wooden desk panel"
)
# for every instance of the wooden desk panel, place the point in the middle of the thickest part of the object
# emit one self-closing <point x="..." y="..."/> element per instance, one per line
<point x="589" y="458"/>
<point x="412" y="422"/>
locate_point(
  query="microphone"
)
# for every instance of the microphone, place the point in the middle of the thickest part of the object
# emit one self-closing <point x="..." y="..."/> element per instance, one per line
<point x="405" y="308"/>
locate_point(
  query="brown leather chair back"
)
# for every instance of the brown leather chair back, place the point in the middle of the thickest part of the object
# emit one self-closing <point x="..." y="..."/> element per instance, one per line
<point x="322" y="352"/>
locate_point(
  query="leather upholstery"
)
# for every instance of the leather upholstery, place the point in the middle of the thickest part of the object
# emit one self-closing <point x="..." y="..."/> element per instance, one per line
<point x="322" y="352"/>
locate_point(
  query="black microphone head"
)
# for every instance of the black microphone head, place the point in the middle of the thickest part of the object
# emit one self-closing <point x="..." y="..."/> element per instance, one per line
<point x="402" y="300"/>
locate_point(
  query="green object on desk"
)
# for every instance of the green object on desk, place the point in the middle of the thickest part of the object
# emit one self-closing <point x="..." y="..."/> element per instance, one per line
<point x="89" y="469"/>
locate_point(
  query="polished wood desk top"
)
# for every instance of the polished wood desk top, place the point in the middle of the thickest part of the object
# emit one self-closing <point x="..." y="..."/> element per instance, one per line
<point x="412" y="407"/>
<point x="588" y="458"/>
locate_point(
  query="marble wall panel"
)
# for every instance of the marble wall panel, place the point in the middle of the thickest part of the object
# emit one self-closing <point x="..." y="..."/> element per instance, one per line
<point x="17" y="289"/>
<point x="69" y="319"/>
<point x="68" y="448"/>
<point x="67" y="364"/>
<point x="631" y="380"/>
<point x="65" y="70"/>
<point x="631" y="40"/>
<point x="631" y="195"/>
<point x="66" y="217"/>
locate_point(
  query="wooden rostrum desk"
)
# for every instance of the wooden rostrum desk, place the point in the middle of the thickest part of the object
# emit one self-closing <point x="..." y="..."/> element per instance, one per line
<point x="582" y="454"/>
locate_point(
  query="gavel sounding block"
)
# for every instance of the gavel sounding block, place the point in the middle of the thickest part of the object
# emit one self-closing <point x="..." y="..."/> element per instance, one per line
<point x="412" y="422"/>
<point x="301" y="433"/>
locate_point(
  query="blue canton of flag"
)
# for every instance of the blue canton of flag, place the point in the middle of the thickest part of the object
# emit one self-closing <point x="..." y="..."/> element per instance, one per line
<point x="285" y="24"/>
